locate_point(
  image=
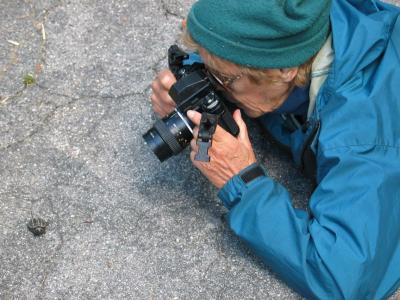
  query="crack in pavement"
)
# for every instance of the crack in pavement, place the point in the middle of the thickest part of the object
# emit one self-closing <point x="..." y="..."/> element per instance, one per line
<point x="168" y="12"/>
<point x="50" y="115"/>
<point x="93" y="96"/>
<point x="39" y="127"/>
<point x="156" y="65"/>
<point x="5" y="99"/>
<point x="41" y="59"/>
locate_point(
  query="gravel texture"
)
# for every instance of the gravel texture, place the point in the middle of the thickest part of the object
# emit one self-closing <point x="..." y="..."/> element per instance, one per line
<point x="121" y="225"/>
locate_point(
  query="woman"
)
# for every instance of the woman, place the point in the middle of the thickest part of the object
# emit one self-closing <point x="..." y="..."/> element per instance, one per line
<point x="344" y="131"/>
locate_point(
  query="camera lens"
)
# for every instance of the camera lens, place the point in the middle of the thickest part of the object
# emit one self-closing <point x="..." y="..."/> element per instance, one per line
<point x="169" y="136"/>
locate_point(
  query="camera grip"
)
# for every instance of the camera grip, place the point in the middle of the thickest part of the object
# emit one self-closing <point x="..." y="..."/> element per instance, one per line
<point x="227" y="122"/>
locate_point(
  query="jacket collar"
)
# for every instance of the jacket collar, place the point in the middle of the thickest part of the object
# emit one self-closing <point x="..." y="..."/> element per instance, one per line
<point x="319" y="71"/>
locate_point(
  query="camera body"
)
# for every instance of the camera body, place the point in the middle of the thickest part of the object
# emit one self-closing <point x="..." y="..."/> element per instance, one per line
<point x="197" y="90"/>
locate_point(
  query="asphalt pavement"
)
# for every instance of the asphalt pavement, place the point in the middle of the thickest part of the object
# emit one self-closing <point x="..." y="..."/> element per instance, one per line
<point x="74" y="102"/>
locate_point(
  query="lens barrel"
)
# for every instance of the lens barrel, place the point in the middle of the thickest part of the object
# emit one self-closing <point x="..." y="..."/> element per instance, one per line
<point x="169" y="136"/>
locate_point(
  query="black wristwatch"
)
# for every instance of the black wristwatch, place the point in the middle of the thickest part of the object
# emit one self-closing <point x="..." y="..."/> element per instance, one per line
<point x="252" y="173"/>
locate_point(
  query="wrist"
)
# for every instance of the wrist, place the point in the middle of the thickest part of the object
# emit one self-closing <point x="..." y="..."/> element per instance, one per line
<point x="251" y="172"/>
<point x="231" y="192"/>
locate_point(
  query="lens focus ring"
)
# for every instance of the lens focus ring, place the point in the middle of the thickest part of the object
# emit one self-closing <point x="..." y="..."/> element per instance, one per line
<point x="167" y="136"/>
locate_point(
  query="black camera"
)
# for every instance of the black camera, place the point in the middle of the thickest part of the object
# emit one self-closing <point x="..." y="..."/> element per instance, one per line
<point x="195" y="89"/>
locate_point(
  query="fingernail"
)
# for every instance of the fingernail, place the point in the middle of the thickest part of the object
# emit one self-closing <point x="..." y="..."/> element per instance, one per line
<point x="190" y="114"/>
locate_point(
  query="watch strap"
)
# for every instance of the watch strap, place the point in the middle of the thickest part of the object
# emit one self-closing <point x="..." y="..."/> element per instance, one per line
<point x="252" y="173"/>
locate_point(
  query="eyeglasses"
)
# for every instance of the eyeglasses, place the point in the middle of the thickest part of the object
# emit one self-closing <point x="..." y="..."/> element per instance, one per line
<point x="224" y="79"/>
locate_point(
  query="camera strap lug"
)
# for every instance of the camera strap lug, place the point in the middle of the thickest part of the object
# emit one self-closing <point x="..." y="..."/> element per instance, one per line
<point x="207" y="127"/>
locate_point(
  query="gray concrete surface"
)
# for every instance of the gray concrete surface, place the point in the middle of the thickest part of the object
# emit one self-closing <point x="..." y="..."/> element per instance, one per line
<point x="122" y="225"/>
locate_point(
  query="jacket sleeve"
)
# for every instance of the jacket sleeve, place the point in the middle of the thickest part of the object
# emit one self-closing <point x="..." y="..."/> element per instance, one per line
<point x="347" y="244"/>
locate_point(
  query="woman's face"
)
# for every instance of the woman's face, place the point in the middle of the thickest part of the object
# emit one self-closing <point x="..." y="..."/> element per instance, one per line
<point x="255" y="99"/>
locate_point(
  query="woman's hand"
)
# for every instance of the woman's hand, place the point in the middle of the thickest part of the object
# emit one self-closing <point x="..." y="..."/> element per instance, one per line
<point x="162" y="103"/>
<point x="228" y="154"/>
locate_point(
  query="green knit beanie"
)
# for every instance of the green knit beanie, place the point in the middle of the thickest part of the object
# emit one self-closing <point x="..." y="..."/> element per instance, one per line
<point x="260" y="33"/>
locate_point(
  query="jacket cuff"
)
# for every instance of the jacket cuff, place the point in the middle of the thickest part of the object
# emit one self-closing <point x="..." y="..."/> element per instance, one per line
<point x="232" y="191"/>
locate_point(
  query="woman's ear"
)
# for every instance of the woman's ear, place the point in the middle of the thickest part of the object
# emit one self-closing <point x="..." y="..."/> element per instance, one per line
<point x="288" y="74"/>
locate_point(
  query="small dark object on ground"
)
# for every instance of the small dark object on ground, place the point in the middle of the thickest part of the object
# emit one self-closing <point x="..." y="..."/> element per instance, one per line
<point x="37" y="226"/>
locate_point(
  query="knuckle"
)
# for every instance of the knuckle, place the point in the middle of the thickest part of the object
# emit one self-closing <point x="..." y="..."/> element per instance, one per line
<point x="154" y="85"/>
<point x="213" y="151"/>
<point x="207" y="165"/>
<point x="216" y="154"/>
<point x="163" y="79"/>
<point x="167" y="100"/>
<point x="167" y="79"/>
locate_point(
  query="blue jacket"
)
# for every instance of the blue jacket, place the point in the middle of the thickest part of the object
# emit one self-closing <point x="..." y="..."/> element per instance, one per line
<point x="347" y="245"/>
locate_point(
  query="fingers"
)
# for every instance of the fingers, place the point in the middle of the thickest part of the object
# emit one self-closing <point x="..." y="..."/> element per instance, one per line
<point x="193" y="145"/>
<point x="161" y="93"/>
<point x="194" y="116"/>
<point x="195" y="132"/>
<point x="220" y="133"/>
<point x="161" y="108"/>
<point x="243" y="133"/>
<point x="160" y="87"/>
<point x="193" y="142"/>
<point x="167" y="79"/>
<point x="162" y="103"/>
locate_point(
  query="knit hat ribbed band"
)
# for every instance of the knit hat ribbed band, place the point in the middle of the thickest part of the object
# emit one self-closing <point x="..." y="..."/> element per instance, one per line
<point x="261" y="33"/>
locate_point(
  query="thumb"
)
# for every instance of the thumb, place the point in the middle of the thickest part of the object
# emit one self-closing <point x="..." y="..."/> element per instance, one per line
<point x="194" y="116"/>
<point x="237" y="116"/>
